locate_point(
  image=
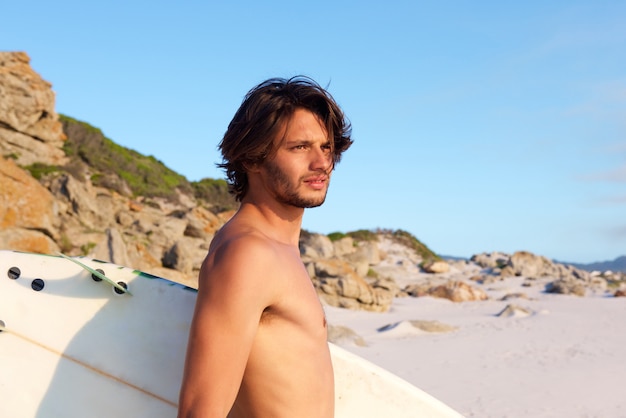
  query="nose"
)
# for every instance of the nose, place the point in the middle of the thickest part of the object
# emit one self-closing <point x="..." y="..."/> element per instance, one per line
<point x="321" y="160"/>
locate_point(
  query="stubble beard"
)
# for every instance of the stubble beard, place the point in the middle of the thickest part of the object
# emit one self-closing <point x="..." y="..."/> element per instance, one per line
<point x="286" y="191"/>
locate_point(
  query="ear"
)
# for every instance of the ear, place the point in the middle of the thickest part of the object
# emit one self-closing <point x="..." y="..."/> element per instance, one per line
<point x="252" y="167"/>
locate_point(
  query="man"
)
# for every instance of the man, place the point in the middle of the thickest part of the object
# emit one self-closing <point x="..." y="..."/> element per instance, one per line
<point x="257" y="345"/>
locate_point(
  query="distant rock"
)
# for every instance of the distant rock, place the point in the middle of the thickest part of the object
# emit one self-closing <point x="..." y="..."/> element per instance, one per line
<point x="338" y="334"/>
<point x="436" y="267"/>
<point x="515" y="311"/>
<point x="617" y="265"/>
<point x="491" y="260"/>
<point x="415" y="327"/>
<point x="558" y="278"/>
<point x="432" y="326"/>
<point x="515" y="295"/>
<point x="456" y="291"/>
<point x="526" y="264"/>
<point x="566" y="287"/>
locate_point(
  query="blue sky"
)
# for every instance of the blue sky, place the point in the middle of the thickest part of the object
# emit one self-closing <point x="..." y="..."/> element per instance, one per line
<point x="478" y="126"/>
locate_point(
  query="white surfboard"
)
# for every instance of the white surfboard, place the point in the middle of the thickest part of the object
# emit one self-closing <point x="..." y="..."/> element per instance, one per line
<point x="74" y="344"/>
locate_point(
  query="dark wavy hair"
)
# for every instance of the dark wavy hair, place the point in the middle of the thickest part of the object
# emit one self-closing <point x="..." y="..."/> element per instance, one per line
<point x="250" y="136"/>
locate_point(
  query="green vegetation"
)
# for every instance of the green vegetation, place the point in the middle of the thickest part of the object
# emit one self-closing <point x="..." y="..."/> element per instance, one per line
<point x="122" y="169"/>
<point x="214" y="192"/>
<point x="336" y="236"/>
<point x="407" y="239"/>
<point x="501" y="263"/>
<point x="86" y="248"/>
<point x="65" y="244"/>
<point x="358" y="236"/>
<point x="38" y="170"/>
<point x="363" y="235"/>
<point x="144" y="176"/>
<point x="402" y="237"/>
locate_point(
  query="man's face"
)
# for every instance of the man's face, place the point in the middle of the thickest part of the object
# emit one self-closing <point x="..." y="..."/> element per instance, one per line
<point x="299" y="173"/>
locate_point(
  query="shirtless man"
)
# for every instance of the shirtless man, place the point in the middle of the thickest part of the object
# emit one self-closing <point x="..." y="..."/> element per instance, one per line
<point x="257" y="345"/>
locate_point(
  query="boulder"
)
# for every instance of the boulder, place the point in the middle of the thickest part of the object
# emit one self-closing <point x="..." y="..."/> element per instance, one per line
<point x="80" y="197"/>
<point x="339" y="334"/>
<point x="344" y="246"/>
<point x="436" y="267"/>
<point x="404" y="329"/>
<point x="515" y="295"/>
<point x="339" y="285"/>
<point x="527" y="264"/>
<point x="30" y="130"/>
<point x="387" y="284"/>
<point x="364" y="255"/>
<point x="115" y="249"/>
<point x="454" y="290"/>
<point x="25" y="204"/>
<point x="201" y="223"/>
<point x="27" y="240"/>
<point x="515" y="311"/>
<point x="367" y="252"/>
<point x="432" y="326"/>
<point x="313" y="246"/>
<point x="490" y="260"/>
<point x="174" y="258"/>
<point x="567" y="287"/>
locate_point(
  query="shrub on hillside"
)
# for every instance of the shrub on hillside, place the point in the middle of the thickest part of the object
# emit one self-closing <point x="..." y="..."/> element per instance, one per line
<point x="406" y="238"/>
<point x="215" y="194"/>
<point x="144" y="175"/>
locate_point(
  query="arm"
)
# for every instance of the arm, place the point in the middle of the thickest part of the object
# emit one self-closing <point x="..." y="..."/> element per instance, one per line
<point x="232" y="295"/>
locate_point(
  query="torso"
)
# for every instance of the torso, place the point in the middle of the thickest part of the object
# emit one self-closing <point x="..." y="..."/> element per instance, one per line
<point x="289" y="371"/>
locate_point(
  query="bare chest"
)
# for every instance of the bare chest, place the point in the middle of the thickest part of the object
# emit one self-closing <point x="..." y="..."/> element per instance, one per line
<point x="298" y="303"/>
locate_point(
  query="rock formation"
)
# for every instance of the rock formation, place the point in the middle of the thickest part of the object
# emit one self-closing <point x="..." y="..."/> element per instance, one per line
<point x="28" y="212"/>
<point x="338" y="270"/>
<point x="29" y="127"/>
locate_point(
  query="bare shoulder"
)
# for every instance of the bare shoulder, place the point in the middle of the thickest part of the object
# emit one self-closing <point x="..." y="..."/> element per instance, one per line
<point x="240" y="250"/>
<point x="239" y="261"/>
<point x="240" y="243"/>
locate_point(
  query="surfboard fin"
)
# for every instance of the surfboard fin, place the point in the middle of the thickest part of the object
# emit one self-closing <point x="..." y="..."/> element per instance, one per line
<point x="96" y="273"/>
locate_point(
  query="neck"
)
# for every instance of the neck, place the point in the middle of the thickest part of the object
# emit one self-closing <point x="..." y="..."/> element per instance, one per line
<point x="278" y="221"/>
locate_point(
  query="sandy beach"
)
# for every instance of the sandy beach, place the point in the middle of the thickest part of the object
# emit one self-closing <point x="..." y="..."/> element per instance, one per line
<point x="555" y="356"/>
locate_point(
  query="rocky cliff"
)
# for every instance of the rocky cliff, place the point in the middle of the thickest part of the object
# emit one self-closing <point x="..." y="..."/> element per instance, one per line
<point x="66" y="188"/>
<point x="55" y="195"/>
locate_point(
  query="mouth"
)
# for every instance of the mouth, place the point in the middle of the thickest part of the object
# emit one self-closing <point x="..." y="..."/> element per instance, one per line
<point x="316" y="182"/>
